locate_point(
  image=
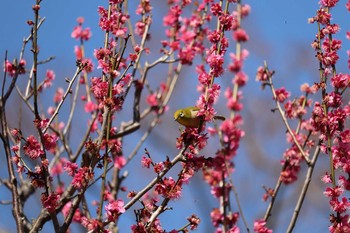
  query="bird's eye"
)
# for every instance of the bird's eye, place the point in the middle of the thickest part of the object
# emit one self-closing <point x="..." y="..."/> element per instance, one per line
<point x="181" y="114"/>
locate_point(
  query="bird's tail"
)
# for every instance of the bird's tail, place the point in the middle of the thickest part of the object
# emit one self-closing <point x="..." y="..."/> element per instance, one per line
<point x="219" y="117"/>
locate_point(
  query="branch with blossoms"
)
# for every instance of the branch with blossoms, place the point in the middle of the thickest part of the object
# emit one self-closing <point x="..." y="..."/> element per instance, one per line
<point x="331" y="114"/>
<point x="299" y="138"/>
<point x="326" y="124"/>
<point x="217" y="175"/>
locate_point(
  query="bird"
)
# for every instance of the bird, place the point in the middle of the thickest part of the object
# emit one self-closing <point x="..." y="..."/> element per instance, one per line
<point x="188" y="117"/>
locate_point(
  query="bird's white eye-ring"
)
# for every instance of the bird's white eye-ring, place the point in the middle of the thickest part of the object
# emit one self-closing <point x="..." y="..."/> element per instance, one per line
<point x="181" y="114"/>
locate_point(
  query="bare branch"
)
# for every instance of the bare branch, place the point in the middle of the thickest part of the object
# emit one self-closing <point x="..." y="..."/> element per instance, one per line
<point x="68" y="90"/>
<point x="304" y="190"/>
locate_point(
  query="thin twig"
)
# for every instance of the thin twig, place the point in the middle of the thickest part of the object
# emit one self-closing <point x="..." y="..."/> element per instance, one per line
<point x="239" y="205"/>
<point x="72" y="111"/>
<point x="285" y="121"/>
<point x="68" y="90"/>
<point x="304" y="190"/>
<point x="273" y="199"/>
<point x="46" y="60"/>
<point x="29" y="37"/>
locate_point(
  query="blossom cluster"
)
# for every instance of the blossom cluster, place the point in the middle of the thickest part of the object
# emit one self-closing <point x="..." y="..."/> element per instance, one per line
<point x="15" y="69"/>
<point x="329" y="117"/>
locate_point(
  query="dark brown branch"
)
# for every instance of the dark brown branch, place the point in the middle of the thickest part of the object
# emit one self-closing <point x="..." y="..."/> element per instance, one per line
<point x="17" y="205"/>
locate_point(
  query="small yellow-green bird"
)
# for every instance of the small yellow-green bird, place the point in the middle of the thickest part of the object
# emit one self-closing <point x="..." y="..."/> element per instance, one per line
<point x="188" y="117"/>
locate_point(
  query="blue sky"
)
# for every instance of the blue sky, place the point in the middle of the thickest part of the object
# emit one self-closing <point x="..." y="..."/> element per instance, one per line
<point x="279" y="33"/>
